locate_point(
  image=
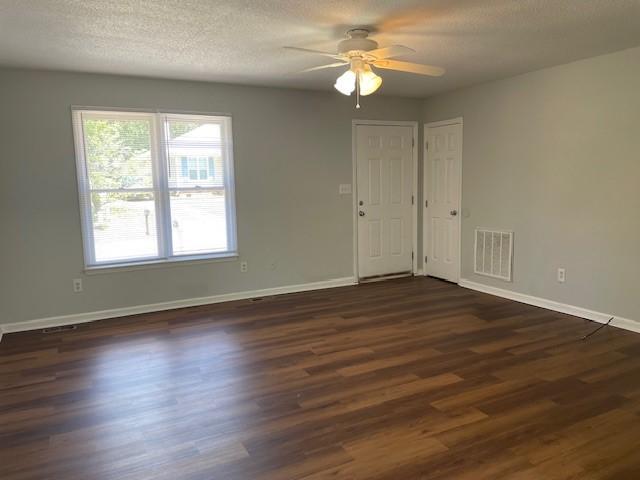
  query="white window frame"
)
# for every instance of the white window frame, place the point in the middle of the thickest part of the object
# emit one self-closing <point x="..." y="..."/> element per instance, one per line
<point x="161" y="186"/>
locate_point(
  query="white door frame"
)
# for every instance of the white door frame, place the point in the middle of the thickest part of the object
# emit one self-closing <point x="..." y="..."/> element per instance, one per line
<point x="441" y="123"/>
<point x="354" y="182"/>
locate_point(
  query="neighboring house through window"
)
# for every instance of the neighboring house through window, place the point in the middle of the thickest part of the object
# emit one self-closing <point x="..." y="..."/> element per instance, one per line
<point x="197" y="168"/>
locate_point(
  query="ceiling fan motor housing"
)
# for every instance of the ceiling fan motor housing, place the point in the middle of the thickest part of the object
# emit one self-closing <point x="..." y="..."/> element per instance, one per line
<point x="357" y="42"/>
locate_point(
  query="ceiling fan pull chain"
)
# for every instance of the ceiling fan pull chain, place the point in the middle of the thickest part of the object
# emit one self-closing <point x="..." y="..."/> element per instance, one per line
<point x="358" y="90"/>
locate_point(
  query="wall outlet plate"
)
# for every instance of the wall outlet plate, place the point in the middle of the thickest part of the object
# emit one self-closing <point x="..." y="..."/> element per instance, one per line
<point x="244" y="267"/>
<point x="561" y="275"/>
<point x="77" y="285"/>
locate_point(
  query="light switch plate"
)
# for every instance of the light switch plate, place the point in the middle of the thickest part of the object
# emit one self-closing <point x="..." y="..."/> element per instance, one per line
<point x="344" y="189"/>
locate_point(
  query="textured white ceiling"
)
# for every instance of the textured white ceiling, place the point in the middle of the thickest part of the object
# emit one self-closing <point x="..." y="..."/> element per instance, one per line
<point x="240" y="41"/>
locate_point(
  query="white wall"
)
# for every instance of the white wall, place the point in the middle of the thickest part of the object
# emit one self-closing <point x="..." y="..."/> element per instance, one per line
<point x="292" y="150"/>
<point x="554" y="155"/>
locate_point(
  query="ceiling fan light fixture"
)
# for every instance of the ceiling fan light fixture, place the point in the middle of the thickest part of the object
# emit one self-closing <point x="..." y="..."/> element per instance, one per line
<point x="346" y="83"/>
<point x="360" y="52"/>
<point x="369" y="81"/>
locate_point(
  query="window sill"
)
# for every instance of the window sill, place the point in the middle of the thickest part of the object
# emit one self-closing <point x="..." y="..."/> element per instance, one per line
<point x="161" y="263"/>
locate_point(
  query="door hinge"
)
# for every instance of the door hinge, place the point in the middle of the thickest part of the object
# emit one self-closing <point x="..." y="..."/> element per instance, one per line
<point x="426" y="145"/>
<point x="411" y="255"/>
<point x="413" y="142"/>
<point x="412" y="199"/>
<point x="425" y="260"/>
<point x="426" y="203"/>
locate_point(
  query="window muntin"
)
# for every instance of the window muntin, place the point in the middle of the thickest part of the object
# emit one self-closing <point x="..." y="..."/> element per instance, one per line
<point x="154" y="187"/>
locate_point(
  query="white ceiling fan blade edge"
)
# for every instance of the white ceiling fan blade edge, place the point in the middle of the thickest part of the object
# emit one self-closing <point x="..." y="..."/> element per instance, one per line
<point x="321" y="67"/>
<point x="317" y="52"/>
<point x="390" y="51"/>
<point x="417" y="68"/>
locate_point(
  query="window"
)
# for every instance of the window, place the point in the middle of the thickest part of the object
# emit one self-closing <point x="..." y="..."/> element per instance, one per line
<point x="197" y="168"/>
<point x="154" y="187"/>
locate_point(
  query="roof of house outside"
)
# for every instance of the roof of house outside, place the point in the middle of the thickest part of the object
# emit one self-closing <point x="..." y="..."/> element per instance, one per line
<point x="201" y="141"/>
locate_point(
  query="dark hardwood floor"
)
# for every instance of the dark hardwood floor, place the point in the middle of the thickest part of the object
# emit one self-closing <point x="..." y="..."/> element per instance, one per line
<point x="404" y="379"/>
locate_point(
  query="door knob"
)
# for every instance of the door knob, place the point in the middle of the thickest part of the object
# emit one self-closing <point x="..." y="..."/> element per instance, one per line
<point x="361" y="213"/>
<point x="453" y="213"/>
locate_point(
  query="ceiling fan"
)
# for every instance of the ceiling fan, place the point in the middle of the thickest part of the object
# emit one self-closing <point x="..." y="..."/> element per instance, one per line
<point x="360" y="54"/>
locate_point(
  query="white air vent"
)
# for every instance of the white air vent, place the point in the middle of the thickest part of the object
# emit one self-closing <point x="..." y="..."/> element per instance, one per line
<point x="493" y="253"/>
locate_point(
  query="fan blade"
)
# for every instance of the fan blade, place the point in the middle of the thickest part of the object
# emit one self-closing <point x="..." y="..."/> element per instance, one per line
<point x="418" y="68"/>
<point x="331" y="65"/>
<point x="317" y="52"/>
<point x="390" y="51"/>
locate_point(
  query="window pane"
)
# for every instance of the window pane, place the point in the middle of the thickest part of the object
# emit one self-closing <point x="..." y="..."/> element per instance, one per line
<point x="124" y="226"/>
<point x="202" y="142"/>
<point x="198" y="222"/>
<point x="118" y="152"/>
<point x="121" y="182"/>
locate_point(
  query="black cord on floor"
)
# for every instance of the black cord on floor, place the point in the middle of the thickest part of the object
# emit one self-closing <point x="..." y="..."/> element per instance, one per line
<point x="597" y="329"/>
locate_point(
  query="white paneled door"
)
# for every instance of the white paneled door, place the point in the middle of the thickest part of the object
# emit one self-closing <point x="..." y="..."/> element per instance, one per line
<point x="443" y="163"/>
<point x="384" y="168"/>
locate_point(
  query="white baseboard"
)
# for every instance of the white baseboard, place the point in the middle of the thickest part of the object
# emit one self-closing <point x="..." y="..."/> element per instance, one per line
<point x="61" y="320"/>
<point x="619" y="322"/>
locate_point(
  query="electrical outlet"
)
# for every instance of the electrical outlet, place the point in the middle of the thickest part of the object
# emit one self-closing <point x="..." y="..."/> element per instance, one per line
<point x="561" y="275"/>
<point x="77" y="285"/>
<point x="244" y="267"/>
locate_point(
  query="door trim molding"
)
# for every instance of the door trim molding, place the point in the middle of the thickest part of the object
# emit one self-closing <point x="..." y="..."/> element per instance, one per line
<point x="425" y="153"/>
<point x="444" y="123"/>
<point x="354" y="182"/>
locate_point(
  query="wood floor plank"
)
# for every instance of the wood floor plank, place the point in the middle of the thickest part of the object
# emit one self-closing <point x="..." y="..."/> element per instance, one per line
<point x="405" y="379"/>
